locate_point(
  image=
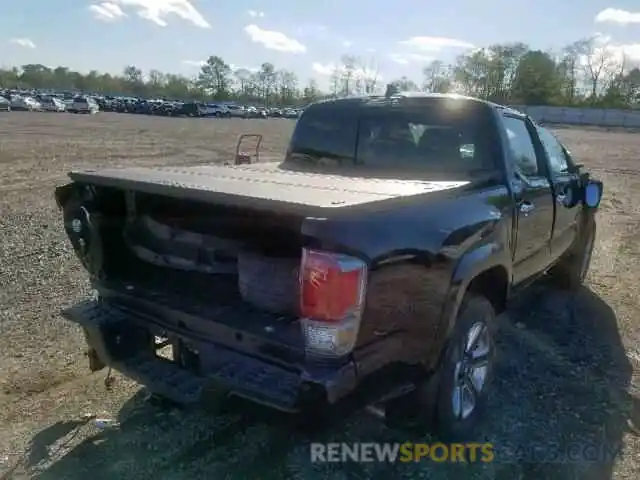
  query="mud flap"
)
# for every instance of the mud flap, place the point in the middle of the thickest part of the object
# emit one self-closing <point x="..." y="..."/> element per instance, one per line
<point x="95" y="363"/>
<point x="417" y="409"/>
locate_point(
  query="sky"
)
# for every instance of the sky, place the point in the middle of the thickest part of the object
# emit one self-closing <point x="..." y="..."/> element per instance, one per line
<point x="399" y="36"/>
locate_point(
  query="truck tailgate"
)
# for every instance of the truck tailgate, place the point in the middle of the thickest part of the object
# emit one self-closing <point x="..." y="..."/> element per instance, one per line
<point x="260" y="185"/>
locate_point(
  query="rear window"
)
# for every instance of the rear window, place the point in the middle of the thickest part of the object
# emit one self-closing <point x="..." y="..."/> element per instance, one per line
<point x="329" y="132"/>
<point x="431" y="135"/>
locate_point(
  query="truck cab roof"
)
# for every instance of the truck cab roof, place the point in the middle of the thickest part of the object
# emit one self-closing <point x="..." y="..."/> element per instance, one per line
<point x="409" y="98"/>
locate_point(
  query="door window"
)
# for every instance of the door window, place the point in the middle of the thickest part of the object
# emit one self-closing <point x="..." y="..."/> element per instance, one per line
<point x="557" y="158"/>
<point x="524" y="153"/>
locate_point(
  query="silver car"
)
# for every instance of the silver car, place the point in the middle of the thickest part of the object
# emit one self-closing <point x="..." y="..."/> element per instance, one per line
<point x="52" y="104"/>
<point x="5" y="104"/>
<point x="237" y="111"/>
<point x="25" y="103"/>
<point x="83" y="105"/>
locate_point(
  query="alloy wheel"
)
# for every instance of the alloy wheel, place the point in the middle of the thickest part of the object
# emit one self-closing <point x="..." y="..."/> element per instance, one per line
<point x="471" y="370"/>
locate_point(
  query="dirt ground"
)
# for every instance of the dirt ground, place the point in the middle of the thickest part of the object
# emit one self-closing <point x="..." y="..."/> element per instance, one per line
<point x="567" y="390"/>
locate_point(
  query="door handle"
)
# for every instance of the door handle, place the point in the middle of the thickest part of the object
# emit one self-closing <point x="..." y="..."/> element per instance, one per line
<point x="526" y="207"/>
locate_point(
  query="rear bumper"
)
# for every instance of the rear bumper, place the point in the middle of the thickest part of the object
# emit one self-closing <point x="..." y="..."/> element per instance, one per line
<point x="125" y="342"/>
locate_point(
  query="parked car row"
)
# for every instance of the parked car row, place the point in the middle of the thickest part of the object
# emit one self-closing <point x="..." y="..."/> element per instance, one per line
<point x="34" y="100"/>
<point x="46" y="103"/>
<point x="190" y="109"/>
<point x="160" y="107"/>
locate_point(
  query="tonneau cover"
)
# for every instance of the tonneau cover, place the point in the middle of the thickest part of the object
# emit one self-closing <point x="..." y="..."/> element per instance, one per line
<point x="259" y="185"/>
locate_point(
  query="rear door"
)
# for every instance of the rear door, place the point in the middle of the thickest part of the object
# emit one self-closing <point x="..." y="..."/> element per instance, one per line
<point x="534" y="200"/>
<point x="561" y="174"/>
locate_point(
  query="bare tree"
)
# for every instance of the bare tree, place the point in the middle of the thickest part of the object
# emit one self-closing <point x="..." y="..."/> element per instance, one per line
<point x="438" y="77"/>
<point x="570" y="66"/>
<point x="349" y="73"/>
<point x="405" y="84"/>
<point x="311" y="92"/>
<point x="599" y="59"/>
<point x="432" y="74"/>
<point x="335" y="81"/>
<point x="370" y="72"/>
<point x="243" y="80"/>
<point x="156" y="80"/>
<point x="615" y="74"/>
<point x="354" y="75"/>
<point x="267" y="80"/>
<point x="286" y="84"/>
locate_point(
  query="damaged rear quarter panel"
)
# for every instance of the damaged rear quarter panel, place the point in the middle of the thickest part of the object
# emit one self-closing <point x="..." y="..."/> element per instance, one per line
<point x="414" y="253"/>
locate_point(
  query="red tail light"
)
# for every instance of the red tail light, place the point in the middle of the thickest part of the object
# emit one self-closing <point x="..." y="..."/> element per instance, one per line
<point x="332" y="288"/>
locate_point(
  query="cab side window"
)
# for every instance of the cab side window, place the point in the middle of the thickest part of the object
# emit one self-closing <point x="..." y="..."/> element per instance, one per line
<point x="557" y="158"/>
<point x="522" y="146"/>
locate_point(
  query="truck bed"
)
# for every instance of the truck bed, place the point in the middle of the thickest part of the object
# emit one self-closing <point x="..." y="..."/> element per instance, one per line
<point x="260" y="186"/>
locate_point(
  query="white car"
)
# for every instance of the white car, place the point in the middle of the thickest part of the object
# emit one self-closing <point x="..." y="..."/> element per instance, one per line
<point x="237" y="111"/>
<point x="52" y="104"/>
<point x="82" y="104"/>
<point x="253" y="112"/>
<point x="214" y="110"/>
<point x="25" y="103"/>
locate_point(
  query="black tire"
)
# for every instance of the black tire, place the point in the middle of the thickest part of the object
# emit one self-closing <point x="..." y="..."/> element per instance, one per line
<point x="571" y="270"/>
<point x="431" y="406"/>
<point x="475" y="312"/>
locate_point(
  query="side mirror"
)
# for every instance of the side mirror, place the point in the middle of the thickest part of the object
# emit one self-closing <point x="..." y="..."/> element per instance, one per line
<point x="572" y="194"/>
<point x="593" y="194"/>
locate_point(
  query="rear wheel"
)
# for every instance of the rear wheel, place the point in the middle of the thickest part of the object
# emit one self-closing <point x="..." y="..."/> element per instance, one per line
<point x="466" y="370"/>
<point x="452" y="401"/>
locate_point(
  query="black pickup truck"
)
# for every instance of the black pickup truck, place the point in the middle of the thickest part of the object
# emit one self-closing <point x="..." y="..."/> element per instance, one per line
<point x="367" y="267"/>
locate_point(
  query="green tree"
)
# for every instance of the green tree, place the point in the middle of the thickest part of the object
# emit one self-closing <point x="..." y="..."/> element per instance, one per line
<point x="215" y="77"/>
<point x="585" y="72"/>
<point x="537" y="80"/>
<point x="266" y="81"/>
<point x="133" y="79"/>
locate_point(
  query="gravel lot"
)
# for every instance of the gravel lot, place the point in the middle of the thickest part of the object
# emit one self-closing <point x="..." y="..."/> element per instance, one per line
<point x="568" y="373"/>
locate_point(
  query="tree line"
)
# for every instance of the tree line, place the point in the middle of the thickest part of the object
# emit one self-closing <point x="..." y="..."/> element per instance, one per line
<point x="586" y="72"/>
